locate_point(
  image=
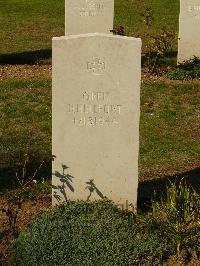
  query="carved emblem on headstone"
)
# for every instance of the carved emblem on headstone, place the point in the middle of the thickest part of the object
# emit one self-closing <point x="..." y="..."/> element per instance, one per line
<point x="96" y="66"/>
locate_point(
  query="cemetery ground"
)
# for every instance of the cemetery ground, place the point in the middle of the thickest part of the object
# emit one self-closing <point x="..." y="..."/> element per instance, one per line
<point x="169" y="127"/>
<point x="169" y="140"/>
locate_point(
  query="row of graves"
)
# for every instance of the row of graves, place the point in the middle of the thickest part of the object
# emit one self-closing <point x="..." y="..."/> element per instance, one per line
<point x="96" y="102"/>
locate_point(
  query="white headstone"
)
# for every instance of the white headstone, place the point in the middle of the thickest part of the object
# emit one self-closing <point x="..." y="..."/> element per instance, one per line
<point x="189" y="30"/>
<point x="96" y="109"/>
<point x="87" y="16"/>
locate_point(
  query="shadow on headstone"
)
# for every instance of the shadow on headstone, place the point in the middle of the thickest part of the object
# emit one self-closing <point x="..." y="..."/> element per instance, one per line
<point x="93" y="189"/>
<point x="30" y="57"/>
<point x="66" y="181"/>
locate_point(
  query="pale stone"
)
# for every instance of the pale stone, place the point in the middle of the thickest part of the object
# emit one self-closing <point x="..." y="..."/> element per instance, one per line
<point x="189" y="30"/>
<point x="96" y="109"/>
<point x="88" y="16"/>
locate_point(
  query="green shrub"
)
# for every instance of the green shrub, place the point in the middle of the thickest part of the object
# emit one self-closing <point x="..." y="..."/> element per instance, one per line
<point x="84" y="233"/>
<point x="188" y="70"/>
<point x="177" y="219"/>
<point x="98" y="233"/>
<point x="157" y="44"/>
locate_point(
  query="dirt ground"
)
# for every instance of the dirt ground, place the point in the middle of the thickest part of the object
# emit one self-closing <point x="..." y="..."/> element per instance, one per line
<point x="24" y="72"/>
<point x="27" y="212"/>
<point x="44" y="71"/>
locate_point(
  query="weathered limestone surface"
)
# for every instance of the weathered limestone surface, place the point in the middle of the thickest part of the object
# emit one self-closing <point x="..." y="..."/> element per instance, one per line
<point x="96" y="110"/>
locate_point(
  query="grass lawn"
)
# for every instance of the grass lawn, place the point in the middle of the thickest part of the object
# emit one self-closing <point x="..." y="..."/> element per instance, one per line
<point x="25" y="117"/>
<point x="169" y="131"/>
<point x="28" y="26"/>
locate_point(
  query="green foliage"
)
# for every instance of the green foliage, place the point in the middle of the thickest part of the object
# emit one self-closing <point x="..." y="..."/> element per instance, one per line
<point x="83" y="233"/>
<point x="25" y="193"/>
<point x="157" y="44"/>
<point x="177" y="219"/>
<point x="188" y="70"/>
<point x="98" y="233"/>
<point x="182" y="204"/>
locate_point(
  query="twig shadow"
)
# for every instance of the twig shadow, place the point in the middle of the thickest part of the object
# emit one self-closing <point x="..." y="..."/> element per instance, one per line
<point x="66" y="182"/>
<point x="92" y="188"/>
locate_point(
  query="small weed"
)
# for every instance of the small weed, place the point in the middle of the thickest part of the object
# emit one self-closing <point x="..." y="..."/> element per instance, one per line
<point x="22" y="179"/>
<point x="27" y="184"/>
<point x="188" y="70"/>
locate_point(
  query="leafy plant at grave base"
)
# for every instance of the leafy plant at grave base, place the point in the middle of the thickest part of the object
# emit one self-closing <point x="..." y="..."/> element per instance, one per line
<point x="157" y="44"/>
<point x="176" y="219"/>
<point x="189" y="69"/>
<point x="98" y="233"/>
<point x="86" y="233"/>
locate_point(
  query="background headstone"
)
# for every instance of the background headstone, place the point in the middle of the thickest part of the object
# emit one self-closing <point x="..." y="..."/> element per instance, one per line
<point x="96" y="109"/>
<point x="86" y="16"/>
<point x="189" y="30"/>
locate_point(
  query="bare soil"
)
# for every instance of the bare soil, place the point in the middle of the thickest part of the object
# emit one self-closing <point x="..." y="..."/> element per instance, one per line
<point x="26" y="213"/>
<point x="44" y="71"/>
<point x="24" y="72"/>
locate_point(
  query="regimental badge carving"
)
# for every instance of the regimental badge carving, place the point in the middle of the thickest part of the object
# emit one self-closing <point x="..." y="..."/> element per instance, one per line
<point x="96" y="66"/>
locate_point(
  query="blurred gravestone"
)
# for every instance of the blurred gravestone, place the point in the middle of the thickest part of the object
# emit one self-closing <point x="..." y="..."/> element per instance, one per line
<point x="86" y="16"/>
<point x="189" y="30"/>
